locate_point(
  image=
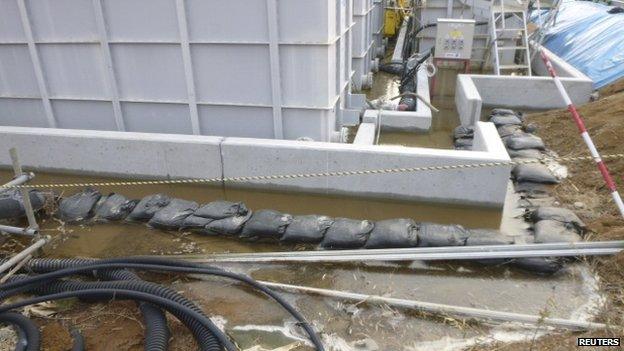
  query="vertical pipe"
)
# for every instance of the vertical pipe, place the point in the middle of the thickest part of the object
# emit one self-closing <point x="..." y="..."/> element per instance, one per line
<point x="276" y="80"/>
<point x="188" y="65"/>
<point x="30" y="214"/>
<point x="580" y="124"/>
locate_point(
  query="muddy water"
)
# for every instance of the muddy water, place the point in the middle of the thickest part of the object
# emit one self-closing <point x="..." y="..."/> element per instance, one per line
<point x="252" y="320"/>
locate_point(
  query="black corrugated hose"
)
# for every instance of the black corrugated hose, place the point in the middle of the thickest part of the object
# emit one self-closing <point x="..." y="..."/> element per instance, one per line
<point x="128" y="289"/>
<point x="28" y="336"/>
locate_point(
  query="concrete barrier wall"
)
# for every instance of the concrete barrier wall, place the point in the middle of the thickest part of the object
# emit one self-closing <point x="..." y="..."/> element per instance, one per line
<point x="563" y="68"/>
<point x="467" y="100"/>
<point x="134" y="155"/>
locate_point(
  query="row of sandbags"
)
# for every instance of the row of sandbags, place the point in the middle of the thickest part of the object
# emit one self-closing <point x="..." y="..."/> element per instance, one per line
<point x="549" y="224"/>
<point x="234" y="219"/>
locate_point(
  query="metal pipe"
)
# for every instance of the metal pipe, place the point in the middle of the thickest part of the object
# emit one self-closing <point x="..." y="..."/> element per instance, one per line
<point x="30" y="214"/>
<point x="442" y="309"/>
<point x="442" y="256"/>
<point x="24" y="253"/>
<point x="423" y="250"/>
<point x="19" y="180"/>
<point x="18" y="231"/>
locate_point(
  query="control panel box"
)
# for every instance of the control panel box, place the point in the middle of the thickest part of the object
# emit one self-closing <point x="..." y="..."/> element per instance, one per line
<point x="454" y="38"/>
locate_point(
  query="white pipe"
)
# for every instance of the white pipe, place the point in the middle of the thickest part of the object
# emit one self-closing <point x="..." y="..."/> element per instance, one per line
<point x="18" y="231"/>
<point x="19" y="180"/>
<point x="445" y="256"/>
<point x="435" y="308"/>
<point x="27" y="251"/>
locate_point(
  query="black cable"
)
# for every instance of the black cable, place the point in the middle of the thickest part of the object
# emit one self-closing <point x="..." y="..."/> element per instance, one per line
<point x="79" y="341"/>
<point x="166" y="304"/>
<point x="28" y="335"/>
<point x="159" y="264"/>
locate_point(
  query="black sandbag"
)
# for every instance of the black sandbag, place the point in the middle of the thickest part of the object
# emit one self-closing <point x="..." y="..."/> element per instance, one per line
<point x="463" y="142"/>
<point x="393" y="233"/>
<point x="435" y="235"/>
<point x="12" y="203"/>
<point x="78" y="207"/>
<point x="392" y="68"/>
<point x="556" y="214"/>
<point x="227" y="226"/>
<point x="463" y="132"/>
<point x="266" y="224"/>
<point x="549" y="231"/>
<point x="501" y="120"/>
<point x="528" y="153"/>
<point x="113" y="207"/>
<point x="524" y="141"/>
<point x="172" y="216"/>
<point x="148" y="206"/>
<point x="347" y="233"/>
<point x="195" y="222"/>
<point x="509" y="130"/>
<point x="482" y="237"/>
<point x="544" y="265"/>
<point x="503" y="111"/>
<point x="532" y="190"/>
<point x="222" y="209"/>
<point x="307" y="229"/>
<point x="537" y="173"/>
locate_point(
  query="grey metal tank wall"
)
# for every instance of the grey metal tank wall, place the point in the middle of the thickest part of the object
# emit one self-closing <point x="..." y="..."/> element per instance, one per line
<point x="247" y="68"/>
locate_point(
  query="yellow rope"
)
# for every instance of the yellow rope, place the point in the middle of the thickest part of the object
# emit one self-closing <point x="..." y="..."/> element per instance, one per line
<point x="310" y="175"/>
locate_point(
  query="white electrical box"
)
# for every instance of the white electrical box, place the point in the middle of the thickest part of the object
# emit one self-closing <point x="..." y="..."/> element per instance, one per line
<point x="454" y="38"/>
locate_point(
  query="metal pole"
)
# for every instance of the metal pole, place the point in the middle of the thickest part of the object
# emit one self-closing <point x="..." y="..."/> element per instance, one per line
<point x="19" y="180"/>
<point x="18" y="231"/>
<point x="443" y="256"/>
<point x="419" y="250"/>
<point x="576" y="116"/>
<point x="20" y="256"/>
<point x="435" y="308"/>
<point x="30" y="214"/>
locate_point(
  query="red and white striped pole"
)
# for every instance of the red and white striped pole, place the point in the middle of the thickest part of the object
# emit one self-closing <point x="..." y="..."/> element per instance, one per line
<point x="588" y="141"/>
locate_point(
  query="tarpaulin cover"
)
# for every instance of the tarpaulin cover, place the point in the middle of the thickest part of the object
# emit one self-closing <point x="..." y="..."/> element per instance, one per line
<point x="589" y="38"/>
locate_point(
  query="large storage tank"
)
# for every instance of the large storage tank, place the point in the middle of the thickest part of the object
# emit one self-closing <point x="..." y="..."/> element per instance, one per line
<point x="247" y="68"/>
<point x="363" y="44"/>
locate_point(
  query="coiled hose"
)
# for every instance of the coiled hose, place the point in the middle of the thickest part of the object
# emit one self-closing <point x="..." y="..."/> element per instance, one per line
<point x="204" y="336"/>
<point x="167" y="265"/>
<point x="156" y="330"/>
<point x="28" y="336"/>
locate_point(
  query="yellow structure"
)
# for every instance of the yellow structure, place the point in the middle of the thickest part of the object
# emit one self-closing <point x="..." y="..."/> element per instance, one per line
<point x="393" y="16"/>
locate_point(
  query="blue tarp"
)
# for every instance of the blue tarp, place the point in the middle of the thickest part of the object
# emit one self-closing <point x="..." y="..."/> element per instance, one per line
<point x="590" y="39"/>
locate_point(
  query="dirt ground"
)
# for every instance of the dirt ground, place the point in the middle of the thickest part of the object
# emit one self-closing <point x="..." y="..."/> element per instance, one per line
<point x="605" y="122"/>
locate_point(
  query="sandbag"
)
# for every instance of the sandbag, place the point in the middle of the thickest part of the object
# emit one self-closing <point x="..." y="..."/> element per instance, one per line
<point x="528" y="153"/>
<point x="502" y="111"/>
<point x="463" y="132"/>
<point x="556" y="214"/>
<point x="148" y="206"/>
<point x="307" y="229"/>
<point x="12" y="203"/>
<point x="463" y="142"/>
<point x="266" y="224"/>
<point x="501" y="120"/>
<point x="347" y="233"/>
<point x="524" y="141"/>
<point x="505" y="131"/>
<point x="434" y="235"/>
<point x="172" y="216"/>
<point x="222" y="209"/>
<point x="78" y="207"/>
<point x="393" y="233"/>
<point x="481" y="237"/>
<point x="195" y="222"/>
<point x="549" y="231"/>
<point x="537" y="173"/>
<point x="532" y="190"/>
<point x="226" y="226"/>
<point x="544" y="265"/>
<point x="113" y="207"/>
